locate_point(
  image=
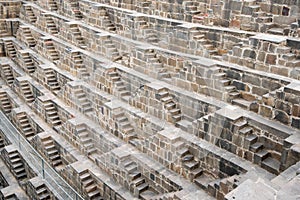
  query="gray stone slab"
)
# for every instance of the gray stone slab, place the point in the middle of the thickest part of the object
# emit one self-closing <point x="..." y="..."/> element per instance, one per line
<point x="250" y="190"/>
<point x="230" y="112"/>
<point x="269" y="38"/>
<point x="293" y="88"/>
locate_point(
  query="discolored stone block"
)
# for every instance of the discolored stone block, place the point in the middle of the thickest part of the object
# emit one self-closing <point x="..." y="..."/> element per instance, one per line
<point x="266" y="111"/>
<point x="271" y="59"/>
<point x="282" y="116"/>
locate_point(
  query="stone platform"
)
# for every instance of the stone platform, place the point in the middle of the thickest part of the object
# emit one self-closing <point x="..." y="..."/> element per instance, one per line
<point x="150" y="99"/>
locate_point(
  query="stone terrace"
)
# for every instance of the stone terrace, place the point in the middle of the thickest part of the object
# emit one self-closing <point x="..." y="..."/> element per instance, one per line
<point x="151" y="99"/>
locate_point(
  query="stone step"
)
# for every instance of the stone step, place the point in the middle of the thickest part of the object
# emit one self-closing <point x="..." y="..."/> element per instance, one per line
<point x="175" y="111"/>
<point x="187" y="157"/>
<point x="176" y="118"/>
<point x="260" y="156"/>
<point x="131" y="168"/>
<point x="91" y="150"/>
<point x="142" y="187"/>
<point x="246" y="130"/>
<point x="41" y="190"/>
<point x="57" y="162"/>
<point x="203" y="181"/>
<point x="138" y="181"/>
<point x="271" y="164"/>
<point x="166" y="99"/>
<point x="44" y="196"/>
<point x="256" y="147"/>
<point x="95" y="195"/>
<point x="234" y="95"/>
<point x="21" y="176"/>
<point x="85" y="176"/>
<point x="250" y="140"/>
<point x="190" y="165"/>
<point x="242" y="103"/>
<point x="87" y="182"/>
<point x="196" y="173"/>
<point x="90" y="188"/>
<point x="183" y="151"/>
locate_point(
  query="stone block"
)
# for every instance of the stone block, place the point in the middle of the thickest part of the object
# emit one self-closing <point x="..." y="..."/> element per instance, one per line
<point x="241" y="86"/>
<point x="280" y="70"/>
<point x="271" y="59"/>
<point x="261" y="56"/>
<point x="296" y="110"/>
<point x="284" y="106"/>
<point x="270" y="84"/>
<point x="268" y="100"/>
<point x="237" y="51"/>
<point x="254" y="80"/>
<point x="296" y="122"/>
<point x="282" y="116"/>
<point x="293" y="43"/>
<point x="249" y="53"/>
<point x="266" y="111"/>
<point x="259" y="90"/>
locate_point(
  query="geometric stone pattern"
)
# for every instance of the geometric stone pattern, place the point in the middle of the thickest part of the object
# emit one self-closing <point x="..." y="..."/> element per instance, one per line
<point x="151" y="99"/>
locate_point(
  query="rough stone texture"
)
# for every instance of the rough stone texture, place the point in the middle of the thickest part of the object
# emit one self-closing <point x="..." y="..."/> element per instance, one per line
<point x="126" y="99"/>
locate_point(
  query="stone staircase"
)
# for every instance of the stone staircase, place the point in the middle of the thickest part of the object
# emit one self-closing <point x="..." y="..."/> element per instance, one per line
<point x="125" y="127"/>
<point x="75" y="9"/>
<point x="222" y="83"/>
<point x="28" y="62"/>
<point x="119" y="85"/>
<point x="144" y="6"/>
<point x="78" y="64"/>
<point x="192" y="169"/>
<point x="151" y="36"/>
<point x="106" y="23"/>
<point x="89" y="186"/>
<point x="39" y="188"/>
<point x="156" y="65"/>
<point x="52" y="152"/>
<point x="82" y="101"/>
<point x="10" y="49"/>
<point x="26" y="91"/>
<point x="137" y="183"/>
<point x="78" y="39"/>
<point x="2" y="143"/>
<point x="52" y="5"/>
<point x="29" y="14"/>
<point x="7" y="74"/>
<point x="230" y="92"/>
<point x="5" y="102"/>
<point x="15" y="162"/>
<point x="85" y="140"/>
<point x="51" y="114"/>
<point x="50" y="25"/>
<point x="174" y="113"/>
<point x="254" y="144"/>
<point x="191" y="8"/>
<point x="51" y="79"/>
<point x="140" y="23"/>
<point x="208" y="48"/>
<point x="51" y="51"/>
<point x="246" y="102"/>
<point x="289" y="58"/>
<point x="111" y="50"/>
<point x="25" y="126"/>
<point x="3" y="30"/>
<point x="27" y="35"/>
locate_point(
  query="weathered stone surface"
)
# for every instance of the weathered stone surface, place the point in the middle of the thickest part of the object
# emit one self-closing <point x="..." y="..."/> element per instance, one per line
<point x="155" y="99"/>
